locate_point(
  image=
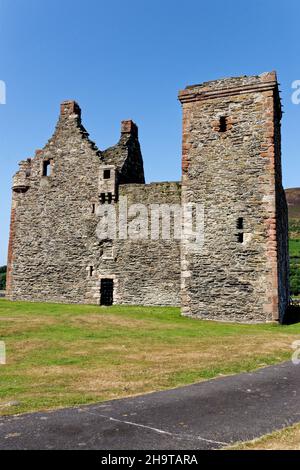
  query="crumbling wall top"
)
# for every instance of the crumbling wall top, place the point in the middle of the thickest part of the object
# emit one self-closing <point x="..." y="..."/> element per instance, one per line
<point x="70" y="107"/>
<point x="229" y="86"/>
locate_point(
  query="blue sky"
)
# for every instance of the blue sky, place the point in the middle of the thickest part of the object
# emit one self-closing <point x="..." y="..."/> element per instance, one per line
<point x="127" y="60"/>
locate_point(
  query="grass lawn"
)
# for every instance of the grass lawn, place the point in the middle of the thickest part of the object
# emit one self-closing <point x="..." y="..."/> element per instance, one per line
<point x="62" y="355"/>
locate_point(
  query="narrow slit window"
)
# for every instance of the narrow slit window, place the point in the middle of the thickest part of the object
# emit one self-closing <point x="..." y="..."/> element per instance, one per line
<point x="109" y="198"/>
<point x="106" y="174"/>
<point x="46" y="168"/>
<point x="93" y="208"/>
<point x="240" y="238"/>
<point x="102" y="198"/>
<point x="91" y="271"/>
<point x="240" y="223"/>
<point x="223" y="124"/>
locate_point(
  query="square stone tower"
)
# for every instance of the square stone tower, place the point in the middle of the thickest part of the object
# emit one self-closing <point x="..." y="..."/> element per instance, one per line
<point x="231" y="164"/>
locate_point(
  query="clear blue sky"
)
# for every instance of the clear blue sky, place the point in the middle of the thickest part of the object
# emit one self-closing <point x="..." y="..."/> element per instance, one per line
<point x="128" y="59"/>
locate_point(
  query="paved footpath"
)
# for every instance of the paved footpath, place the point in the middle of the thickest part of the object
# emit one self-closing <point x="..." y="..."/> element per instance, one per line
<point x="207" y="415"/>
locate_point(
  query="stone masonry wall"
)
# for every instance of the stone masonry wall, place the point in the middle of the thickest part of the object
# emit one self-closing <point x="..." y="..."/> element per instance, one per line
<point x="145" y="271"/>
<point x="53" y="217"/>
<point x="53" y="214"/>
<point x="231" y="165"/>
<point x="54" y="252"/>
<point x="282" y="221"/>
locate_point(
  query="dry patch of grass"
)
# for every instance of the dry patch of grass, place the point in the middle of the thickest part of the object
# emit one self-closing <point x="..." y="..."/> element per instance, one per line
<point x="62" y="355"/>
<point x="24" y="324"/>
<point x="109" y="320"/>
<point x="287" y="439"/>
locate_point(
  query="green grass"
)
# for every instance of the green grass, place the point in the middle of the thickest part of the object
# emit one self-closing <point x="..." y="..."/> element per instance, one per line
<point x="64" y="355"/>
<point x="294" y="249"/>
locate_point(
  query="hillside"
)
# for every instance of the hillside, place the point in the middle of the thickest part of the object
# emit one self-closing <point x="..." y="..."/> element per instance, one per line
<point x="293" y="200"/>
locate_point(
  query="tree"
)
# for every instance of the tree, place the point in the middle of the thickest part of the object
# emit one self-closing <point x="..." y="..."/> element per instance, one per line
<point x="2" y="277"/>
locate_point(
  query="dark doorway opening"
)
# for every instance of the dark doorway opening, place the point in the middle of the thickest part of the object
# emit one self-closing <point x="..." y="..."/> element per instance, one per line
<point x="107" y="292"/>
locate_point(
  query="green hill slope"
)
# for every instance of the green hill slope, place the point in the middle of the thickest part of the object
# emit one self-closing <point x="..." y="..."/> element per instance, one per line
<point x="293" y="200"/>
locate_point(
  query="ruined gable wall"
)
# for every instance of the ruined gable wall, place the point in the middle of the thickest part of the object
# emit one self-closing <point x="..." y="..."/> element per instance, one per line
<point x="55" y="254"/>
<point x="53" y="219"/>
<point x="126" y="155"/>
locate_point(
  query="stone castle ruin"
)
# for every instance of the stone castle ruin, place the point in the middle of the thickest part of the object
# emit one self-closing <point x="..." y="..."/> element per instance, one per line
<point x="231" y="165"/>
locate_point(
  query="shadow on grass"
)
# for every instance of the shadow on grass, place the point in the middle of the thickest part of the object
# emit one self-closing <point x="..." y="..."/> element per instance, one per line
<point x="292" y="315"/>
